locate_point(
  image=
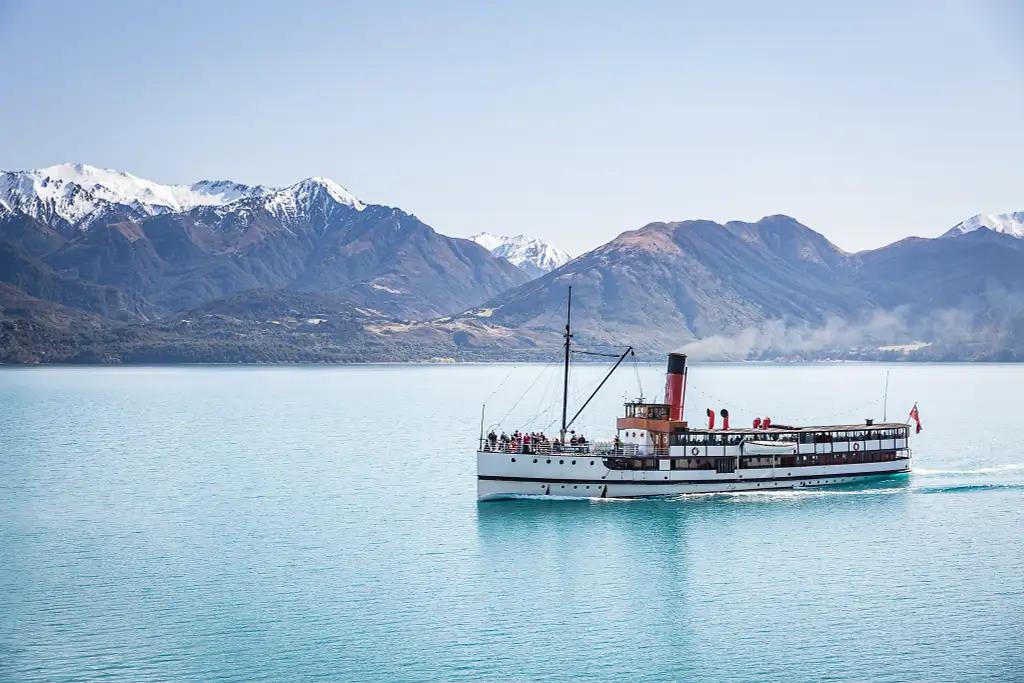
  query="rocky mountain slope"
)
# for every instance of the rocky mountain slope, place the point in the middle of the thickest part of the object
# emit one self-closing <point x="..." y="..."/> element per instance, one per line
<point x="532" y="255"/>
<point x="176" y="247"/>
<point x="669" y="283"/>
<point x="781" y="287"/>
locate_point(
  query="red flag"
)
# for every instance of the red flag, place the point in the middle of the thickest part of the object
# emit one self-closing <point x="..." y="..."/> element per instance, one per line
<point x="916" y="417"/>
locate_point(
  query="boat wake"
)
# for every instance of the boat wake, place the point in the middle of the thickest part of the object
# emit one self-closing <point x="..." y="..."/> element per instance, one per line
<point x="970" y="488"/>
<point x="920" y="482"/>
<point x="995" y="469"/>
<point x="905" y="488"/>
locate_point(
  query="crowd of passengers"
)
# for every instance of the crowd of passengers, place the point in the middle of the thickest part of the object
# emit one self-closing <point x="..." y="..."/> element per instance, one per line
<point x="530" y="443"/>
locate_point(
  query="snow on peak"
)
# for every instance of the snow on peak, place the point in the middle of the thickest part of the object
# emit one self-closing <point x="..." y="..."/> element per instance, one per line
<point x="1007" y="223"/>
<point x="310" y="195"/>
<point x="78" y="193"/>
<point x="74" y="192"/>
<point x="311" y="186"/>
<point x="216" y="193"/>
<point x="530" y="254"/>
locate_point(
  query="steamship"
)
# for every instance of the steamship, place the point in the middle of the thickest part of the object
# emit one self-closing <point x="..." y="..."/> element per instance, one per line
<point x="657" y="453"/>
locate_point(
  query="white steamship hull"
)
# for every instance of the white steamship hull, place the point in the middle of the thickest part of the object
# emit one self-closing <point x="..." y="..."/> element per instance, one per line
<point x="585" y="476"/>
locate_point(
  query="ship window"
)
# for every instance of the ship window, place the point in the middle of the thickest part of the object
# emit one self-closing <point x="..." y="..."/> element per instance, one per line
<point x="561" y="462"/>
<point x="513" y="460"/>
<point x="573" y="462"/>
<point x="549" y="462"/>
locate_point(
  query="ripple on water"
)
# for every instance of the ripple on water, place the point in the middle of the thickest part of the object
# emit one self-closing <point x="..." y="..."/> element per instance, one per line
<point x="268" y="524"/>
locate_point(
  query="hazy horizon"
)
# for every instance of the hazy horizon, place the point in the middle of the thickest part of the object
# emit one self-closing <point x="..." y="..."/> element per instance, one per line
<point x="572" y="123"/>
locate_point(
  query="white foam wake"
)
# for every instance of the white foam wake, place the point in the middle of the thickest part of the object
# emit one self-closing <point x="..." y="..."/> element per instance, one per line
<point x="994" y="469"/>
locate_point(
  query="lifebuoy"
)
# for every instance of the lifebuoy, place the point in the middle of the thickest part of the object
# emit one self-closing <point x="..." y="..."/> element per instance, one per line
<point x="694" y="451"/>
<point x="856" y="446"/>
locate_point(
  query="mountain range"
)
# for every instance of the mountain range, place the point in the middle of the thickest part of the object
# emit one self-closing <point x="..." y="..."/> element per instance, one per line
<point x="176" y="246"/>
<point x="776" y="288"/>
<point x="101" y="266"/>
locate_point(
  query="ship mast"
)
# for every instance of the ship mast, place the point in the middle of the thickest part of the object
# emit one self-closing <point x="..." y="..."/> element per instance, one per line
<point x="565" y="386"/>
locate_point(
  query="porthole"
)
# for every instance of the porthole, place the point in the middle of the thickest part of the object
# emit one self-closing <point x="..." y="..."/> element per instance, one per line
<point x="591" y="462"/>
<point x="549" y="462"/>
<point x="535" y="461"/>
<point x="513" y="459"/>
<point x="561" y="462"/>
<point x="563" y="486"/>
<point x="575" y="487"/>
<point x="573" y="462"/>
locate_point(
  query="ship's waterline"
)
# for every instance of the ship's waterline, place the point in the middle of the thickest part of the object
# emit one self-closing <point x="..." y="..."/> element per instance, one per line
<point x="573" y="483"/>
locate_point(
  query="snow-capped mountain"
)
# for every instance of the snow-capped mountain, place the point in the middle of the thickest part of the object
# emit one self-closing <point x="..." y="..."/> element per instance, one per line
<point x="313" y="201"/>
<point x="77" y="195"/>
<point x="1008" y="223"/>
<point x="530" y="254"/>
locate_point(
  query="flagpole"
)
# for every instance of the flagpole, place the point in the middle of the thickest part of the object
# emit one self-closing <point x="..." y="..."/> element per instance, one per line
<point x="885" y="399"/>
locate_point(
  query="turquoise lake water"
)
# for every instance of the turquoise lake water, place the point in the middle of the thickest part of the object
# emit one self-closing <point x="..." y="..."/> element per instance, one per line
<point x="320" y="523"/>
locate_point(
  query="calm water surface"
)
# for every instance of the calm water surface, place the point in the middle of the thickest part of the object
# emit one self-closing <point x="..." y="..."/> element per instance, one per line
<point x="291" y="524"/>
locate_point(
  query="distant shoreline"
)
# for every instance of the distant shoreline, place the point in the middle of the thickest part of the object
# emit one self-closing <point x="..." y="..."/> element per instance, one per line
<point x="427" y="363"/>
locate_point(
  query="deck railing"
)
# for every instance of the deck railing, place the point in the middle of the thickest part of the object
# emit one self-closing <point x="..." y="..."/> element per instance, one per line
<point x="536" y="448"/>
<point x="600" y="448"/>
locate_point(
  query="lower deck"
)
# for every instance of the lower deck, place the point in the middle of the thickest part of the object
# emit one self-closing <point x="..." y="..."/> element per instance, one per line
<point x="591" y="476"/>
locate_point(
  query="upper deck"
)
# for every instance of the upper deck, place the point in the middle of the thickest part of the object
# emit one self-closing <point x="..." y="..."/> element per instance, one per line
<point x="786" y="433"/>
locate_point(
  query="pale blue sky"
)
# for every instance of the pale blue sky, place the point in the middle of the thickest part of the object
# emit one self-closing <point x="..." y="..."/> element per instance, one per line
<point x="572" y="121"/>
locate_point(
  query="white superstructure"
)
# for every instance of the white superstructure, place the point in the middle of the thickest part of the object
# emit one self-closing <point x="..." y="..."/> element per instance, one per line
<point x="697" y="461"/>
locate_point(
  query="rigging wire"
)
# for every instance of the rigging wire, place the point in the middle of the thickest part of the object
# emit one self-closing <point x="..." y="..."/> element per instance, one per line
<point x="519" y="400"/>
<point x="552" y="403"/>
<point x="515" y="366"/>
<point x="733" y="406"/>
<point x="636" y="370"/>
<point x="846" y="412"/>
